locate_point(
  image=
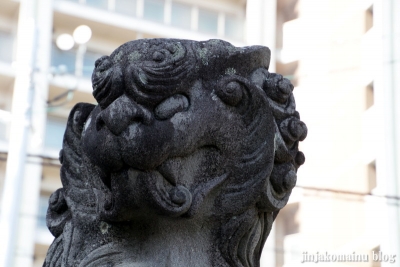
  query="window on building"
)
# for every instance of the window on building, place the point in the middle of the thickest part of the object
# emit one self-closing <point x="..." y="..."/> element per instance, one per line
<point x="233" y="27"/>
<point x="286" y="11"/>
<point x="369" y="96"/>
<point x="42" y="211"/>
<point x="371" y="172"/>
<point x="68" y="59"/>
<point x="88" y="62"/>
<point x="208" y="21"/>
<point x="103" y="4"/>
<point x="63" y="58"/>
<point x="55" y="128"/>
<point x="369" y="18"/>
<point x="126" y="7"/>
<point x="289" y="71"/>
<point x="6" y="44"/>
<point x="154" y="10"/>
<point x="181" y="15"/>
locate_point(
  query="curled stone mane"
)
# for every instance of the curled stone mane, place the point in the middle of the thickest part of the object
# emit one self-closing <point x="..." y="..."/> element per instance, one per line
<point x="186" y="160"/>
<point x="243" y="235"/>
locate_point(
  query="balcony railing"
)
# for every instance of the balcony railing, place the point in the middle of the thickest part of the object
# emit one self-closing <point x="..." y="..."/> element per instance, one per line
<point x="174" y="13"/>
<point x="42" y="211"/>
<point x="55" y="129"/>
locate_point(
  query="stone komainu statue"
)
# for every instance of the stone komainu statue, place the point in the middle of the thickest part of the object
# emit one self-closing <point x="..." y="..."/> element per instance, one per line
<point x="186" y="160"/>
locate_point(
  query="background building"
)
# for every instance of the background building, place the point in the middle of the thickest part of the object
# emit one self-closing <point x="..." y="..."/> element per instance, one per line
<point x="342" y="56"/>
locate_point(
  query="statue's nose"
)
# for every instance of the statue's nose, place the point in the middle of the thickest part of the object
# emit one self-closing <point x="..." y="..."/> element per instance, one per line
<point x="121" y="113"/>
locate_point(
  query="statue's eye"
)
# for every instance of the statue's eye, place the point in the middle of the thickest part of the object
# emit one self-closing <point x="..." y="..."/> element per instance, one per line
<point x="231" y="93"/>
<point x="170" y="106"/>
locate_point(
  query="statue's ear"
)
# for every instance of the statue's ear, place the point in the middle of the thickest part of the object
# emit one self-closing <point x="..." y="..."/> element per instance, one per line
<point x="289" y="130"/>
<point x="243" y="96"/>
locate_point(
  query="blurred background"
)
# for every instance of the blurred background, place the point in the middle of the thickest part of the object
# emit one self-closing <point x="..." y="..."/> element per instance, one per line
<point x="342" y="56"/>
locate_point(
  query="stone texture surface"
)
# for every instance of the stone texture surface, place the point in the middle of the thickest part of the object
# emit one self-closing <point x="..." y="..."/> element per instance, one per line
<point x="186" y="160"/>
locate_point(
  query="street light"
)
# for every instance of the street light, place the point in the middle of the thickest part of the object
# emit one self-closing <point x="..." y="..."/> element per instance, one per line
<point x="80" y="36"/>
<point x="65" y="41"/>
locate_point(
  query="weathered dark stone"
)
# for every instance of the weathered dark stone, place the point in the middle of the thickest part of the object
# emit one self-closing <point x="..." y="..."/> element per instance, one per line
<point x="186" y="161"/>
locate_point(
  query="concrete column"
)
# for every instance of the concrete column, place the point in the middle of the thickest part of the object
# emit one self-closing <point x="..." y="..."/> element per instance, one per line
<point x="21" y="114"/>
<point x="387" y="95"/>
<point x="254" y="22"/>
<point x="139" y="8"/>
<point x="33" y="171"/>
<point x="167" y="11"/>
<point x="261" y="25"/>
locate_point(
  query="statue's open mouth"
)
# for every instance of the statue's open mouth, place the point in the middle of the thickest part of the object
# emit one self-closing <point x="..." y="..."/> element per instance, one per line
<point x="170" y="188"/>
<point x="110" y="179"/>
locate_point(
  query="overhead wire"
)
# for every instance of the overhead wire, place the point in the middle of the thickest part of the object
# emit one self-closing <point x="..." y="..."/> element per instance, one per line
<point x="361" y="194"/>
